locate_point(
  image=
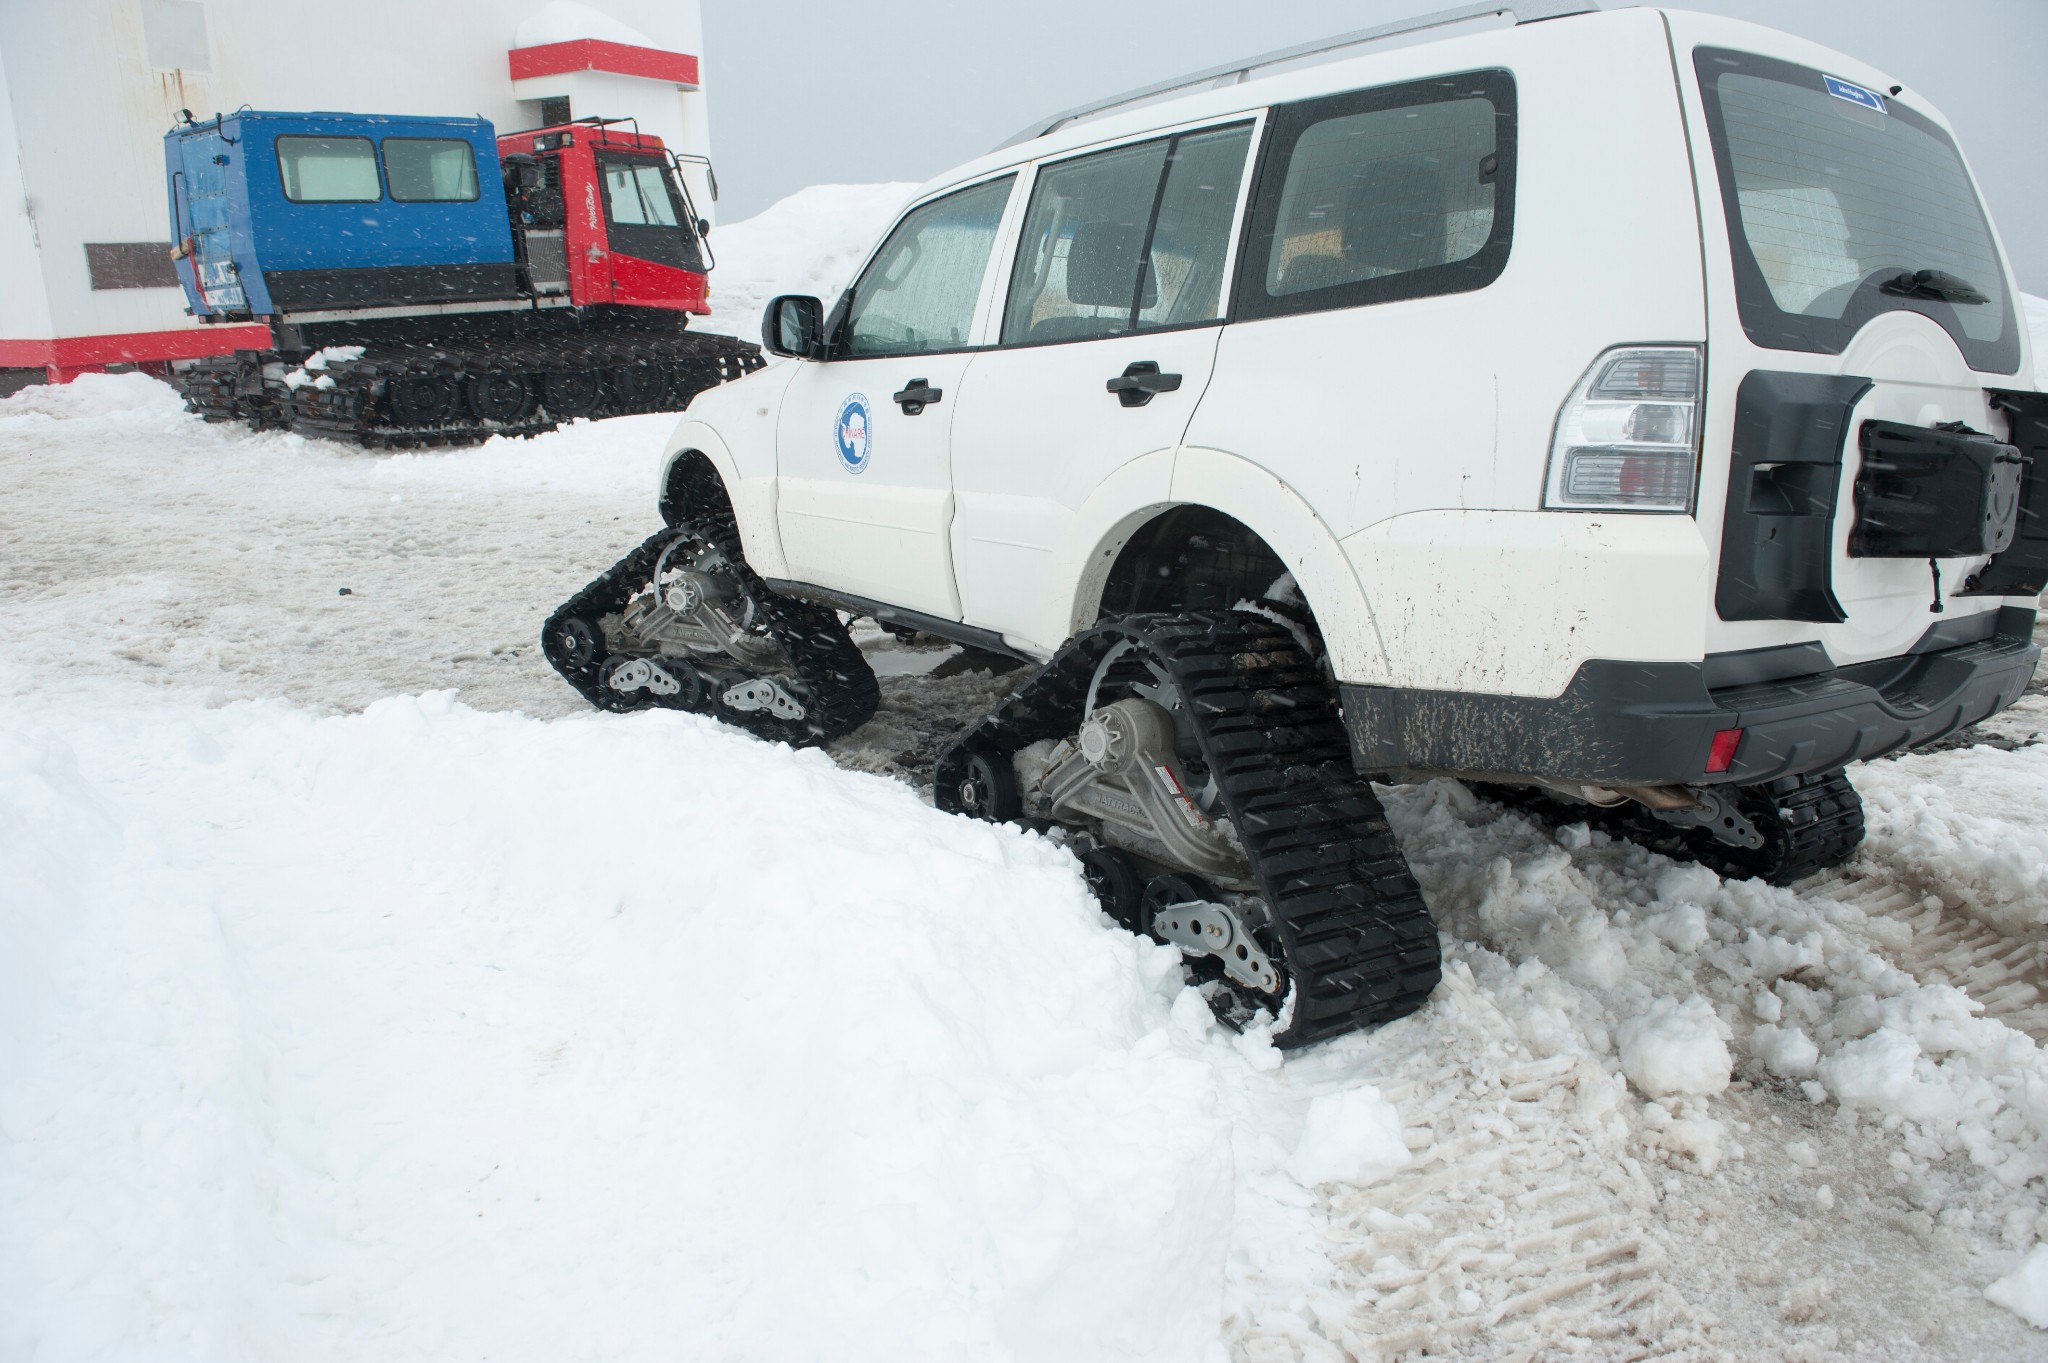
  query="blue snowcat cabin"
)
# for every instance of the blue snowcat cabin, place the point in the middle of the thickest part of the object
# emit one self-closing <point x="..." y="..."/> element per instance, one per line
<point x="296" y="213"/>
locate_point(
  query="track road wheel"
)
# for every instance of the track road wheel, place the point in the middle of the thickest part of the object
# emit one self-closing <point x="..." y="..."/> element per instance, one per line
<point x="571" y="393"/>
<point x="500" y="397"/>
<point x="1117" y="884"/>
<point x="986" y="789"/>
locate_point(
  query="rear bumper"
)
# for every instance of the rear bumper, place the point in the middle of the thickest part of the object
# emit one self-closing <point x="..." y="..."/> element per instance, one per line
<point x="1621" y="723"/>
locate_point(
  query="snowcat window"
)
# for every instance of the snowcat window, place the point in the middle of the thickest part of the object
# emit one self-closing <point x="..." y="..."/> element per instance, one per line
<point x="639" y="194"/>
<point x="646" y="212"/>
<point x="430" y="169"/>
<point x="328" y="170"/>
<point x="1843" y="204"/>
<point x="918" y="294"/>
<point x="1384" y="194"/>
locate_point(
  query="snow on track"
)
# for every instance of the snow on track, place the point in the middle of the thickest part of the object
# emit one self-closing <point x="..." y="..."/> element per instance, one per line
<point x="346" y="1024"/>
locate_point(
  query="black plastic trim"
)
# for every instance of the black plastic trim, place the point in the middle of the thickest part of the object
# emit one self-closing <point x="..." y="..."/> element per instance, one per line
<point x="971" y="636"/>
<point x="389" y="285"/>
<point x="1622" y="723"/>
<point x="1746" y="667"/>
<point x="2022" y="569"/>
<point x="1784" y="484"/>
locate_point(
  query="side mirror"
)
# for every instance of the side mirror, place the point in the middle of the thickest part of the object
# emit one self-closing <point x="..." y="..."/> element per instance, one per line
<point x="703" y="227"/>
<point x="794" y="324"/>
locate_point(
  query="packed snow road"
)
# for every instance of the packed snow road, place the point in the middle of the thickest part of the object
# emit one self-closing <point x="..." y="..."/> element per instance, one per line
<point x="345" y="1017"/>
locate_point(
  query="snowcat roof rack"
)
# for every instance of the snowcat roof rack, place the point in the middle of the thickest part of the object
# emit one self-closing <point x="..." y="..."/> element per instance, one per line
<point x="1233" y="73"/>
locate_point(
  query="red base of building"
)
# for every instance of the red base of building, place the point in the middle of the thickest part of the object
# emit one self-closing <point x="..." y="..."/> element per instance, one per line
<point x="64" y="358"/>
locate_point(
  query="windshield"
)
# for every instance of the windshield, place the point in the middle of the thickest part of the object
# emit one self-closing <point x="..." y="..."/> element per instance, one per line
<point x="647" y="213"/>
<point x="1843" y="204"/>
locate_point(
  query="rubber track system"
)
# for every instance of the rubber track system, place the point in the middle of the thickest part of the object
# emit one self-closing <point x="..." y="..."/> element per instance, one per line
<point x="838" y="688"/>
<point x="1810" y="823"/>
<point x="389" y="396"/>
<point x="1349" y="927"/>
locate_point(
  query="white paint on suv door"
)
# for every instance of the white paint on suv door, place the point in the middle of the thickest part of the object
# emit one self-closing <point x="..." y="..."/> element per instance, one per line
<point x="865" y="501"/>
<point x="1121" y="275"/>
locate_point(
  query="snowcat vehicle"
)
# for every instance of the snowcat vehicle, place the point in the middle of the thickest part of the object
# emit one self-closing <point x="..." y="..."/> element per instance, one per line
<point x="427" y="282"/>
<point x="1626" y="412"/>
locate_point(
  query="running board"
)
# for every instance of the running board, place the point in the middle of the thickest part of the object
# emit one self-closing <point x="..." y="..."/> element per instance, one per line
<point x="968" y="636"/>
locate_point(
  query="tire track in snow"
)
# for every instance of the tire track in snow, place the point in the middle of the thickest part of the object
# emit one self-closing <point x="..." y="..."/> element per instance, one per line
<point x="1939" y="942"/>
<point x="1521" y="1226"/>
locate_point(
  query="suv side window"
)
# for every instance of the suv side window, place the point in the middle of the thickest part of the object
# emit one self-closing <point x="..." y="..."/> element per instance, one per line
<point x="1382" y="194"/>
<point x="1130" y="239"/>
<point x="919" y="292"/>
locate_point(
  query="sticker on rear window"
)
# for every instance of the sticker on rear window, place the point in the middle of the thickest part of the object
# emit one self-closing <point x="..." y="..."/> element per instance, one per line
<point x="1855" y="94"/>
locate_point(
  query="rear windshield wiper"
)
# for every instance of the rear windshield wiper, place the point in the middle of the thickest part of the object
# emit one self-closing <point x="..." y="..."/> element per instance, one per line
<point x="1934" y="284"/>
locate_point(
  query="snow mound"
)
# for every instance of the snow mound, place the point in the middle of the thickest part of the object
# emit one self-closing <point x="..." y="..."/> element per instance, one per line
<point x="121" y="399"/>
<point x="1353" y="1136"/>
<point x="2024" y="1291"/>
<point x="1676" y="1048"/>
<point x="811" y="242"/>
<point x="426" y="1032"/>
<point x="565" y="21"/>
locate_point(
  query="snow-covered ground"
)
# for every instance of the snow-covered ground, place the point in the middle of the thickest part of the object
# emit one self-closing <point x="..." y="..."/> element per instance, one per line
<point x="364" y="996"/>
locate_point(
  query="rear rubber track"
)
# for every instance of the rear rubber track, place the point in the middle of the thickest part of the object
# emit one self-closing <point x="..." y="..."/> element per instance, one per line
<point x="839" y="689"/>
<point x="1810" y="823"/>
<point x="1348" y="924"/>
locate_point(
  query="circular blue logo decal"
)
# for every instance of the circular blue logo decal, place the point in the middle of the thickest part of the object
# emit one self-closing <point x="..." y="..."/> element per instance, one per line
<point x="851" y="432"/>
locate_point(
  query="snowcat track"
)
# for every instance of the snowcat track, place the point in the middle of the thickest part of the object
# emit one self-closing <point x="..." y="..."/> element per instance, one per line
<point x="841" y="692"/>
<point x="1349" y="926"/>
<point x="1811" y="823"/>
<point x="666" y="372"/>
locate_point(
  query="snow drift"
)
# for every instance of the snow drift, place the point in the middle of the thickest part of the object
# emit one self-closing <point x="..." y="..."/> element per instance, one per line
<point x="431" y="1033"/>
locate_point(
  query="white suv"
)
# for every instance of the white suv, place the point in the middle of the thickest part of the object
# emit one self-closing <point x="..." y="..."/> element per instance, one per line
<point x="1627" y="411"/>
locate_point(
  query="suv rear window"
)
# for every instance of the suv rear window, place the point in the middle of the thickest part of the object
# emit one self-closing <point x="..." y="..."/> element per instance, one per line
<point x="1367" y="197"/>
<point x="1836" y="197"/>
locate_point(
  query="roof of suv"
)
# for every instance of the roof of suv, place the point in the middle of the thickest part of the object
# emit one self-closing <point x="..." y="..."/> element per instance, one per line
<point x="1424" y="53"/>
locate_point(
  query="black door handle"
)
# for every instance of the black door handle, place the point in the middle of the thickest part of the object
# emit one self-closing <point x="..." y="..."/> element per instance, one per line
<point x="918" y="395"/>
<point x="1137" y="384"/>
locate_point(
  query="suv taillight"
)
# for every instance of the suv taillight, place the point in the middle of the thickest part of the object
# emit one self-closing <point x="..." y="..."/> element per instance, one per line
<point x="1627" y="438"/>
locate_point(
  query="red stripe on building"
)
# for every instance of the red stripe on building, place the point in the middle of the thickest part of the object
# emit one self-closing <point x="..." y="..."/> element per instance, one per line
<point x="90" y="352"/>
<point x="595" y="54"/>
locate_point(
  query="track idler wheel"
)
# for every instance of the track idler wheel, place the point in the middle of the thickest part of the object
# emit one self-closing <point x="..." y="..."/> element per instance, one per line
<point x="500" y="397"/>
<point x="985" y="788"/>
<point x="572" y="392"/>
<point x="574" y="645"/>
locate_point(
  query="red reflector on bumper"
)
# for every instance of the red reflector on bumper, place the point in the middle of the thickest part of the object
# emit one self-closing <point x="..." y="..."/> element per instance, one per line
<point x="1722" y="755"/>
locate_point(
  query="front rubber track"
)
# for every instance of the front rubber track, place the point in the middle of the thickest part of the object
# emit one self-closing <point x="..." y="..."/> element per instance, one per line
<point x="839" y="689"/>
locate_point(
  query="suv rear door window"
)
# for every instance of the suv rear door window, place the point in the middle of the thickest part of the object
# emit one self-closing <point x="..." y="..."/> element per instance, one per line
<point x="1837" y="200"/>
<point x="1381" y="194"/>
<point x="919" y="292"/>
<point x="327" y="170"/>
<point x="1131" y="239"/>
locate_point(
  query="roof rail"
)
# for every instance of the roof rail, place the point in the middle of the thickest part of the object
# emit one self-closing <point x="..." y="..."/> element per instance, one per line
<point x="1232" y="73"/>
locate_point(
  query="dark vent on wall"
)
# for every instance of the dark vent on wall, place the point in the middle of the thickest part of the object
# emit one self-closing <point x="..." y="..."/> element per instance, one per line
<point x="130" y="265"/>
<point x="554" y="111"/>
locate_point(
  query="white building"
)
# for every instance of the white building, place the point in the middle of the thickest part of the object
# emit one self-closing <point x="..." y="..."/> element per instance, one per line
<point x="88" y="88"/>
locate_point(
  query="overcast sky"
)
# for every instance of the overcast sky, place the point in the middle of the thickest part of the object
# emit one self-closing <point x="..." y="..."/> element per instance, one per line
<point x="808" y="92"/>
